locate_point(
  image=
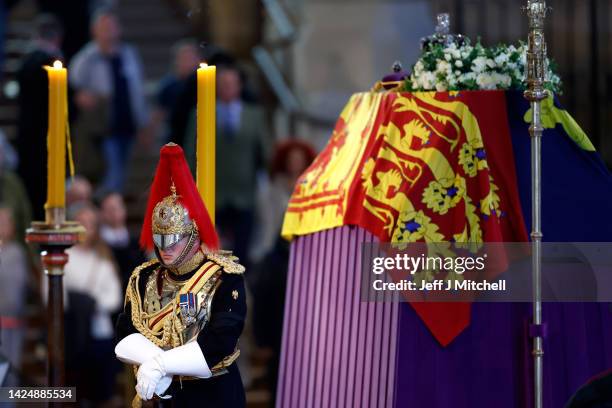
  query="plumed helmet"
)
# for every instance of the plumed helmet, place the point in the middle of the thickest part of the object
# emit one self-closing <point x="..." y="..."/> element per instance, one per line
<point x="175" y="208"/>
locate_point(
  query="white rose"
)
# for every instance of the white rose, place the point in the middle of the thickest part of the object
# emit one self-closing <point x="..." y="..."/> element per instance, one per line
<point x="479" y="64"/>
<point x="505" y="80"/>
<point x="454" y="53"/>
<point x="501" y="59"/>
<point x="428" y="80"/>
<point x="443" y="67"/>
<point x="485" y="81"/>
<point x="459" y="63"/>
<point x="467" y="77"/>
<point x="441" y="87"/>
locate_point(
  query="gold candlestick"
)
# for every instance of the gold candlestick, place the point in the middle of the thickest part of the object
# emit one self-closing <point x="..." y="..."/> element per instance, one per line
<point x="55" y="234"/>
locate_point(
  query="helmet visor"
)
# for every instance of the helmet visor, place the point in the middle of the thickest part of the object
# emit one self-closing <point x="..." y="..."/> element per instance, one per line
<point x="165" y="241"/>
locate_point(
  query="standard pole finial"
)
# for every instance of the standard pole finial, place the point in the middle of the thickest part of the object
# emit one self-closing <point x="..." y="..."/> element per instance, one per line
<point x="535" y="93"/>
<point x="443" y="26"/>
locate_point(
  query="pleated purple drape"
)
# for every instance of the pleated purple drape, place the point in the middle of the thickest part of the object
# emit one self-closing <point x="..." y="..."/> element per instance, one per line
<point x="337" y="350"/>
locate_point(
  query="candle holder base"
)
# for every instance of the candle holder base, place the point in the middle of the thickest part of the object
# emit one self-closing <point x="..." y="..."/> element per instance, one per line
<point x="53" y="239"/>
<point x="66" y="234"/>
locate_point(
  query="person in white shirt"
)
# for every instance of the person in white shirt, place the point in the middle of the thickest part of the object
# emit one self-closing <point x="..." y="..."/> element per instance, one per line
<point x="91" y="272"/>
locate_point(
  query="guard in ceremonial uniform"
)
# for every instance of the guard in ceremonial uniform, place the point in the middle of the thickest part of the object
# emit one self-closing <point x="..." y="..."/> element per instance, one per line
<point x="184" y="311"/>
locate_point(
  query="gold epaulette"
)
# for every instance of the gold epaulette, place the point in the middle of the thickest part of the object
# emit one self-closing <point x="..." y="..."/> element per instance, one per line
<point x="144" y="266"/>
<point x="227" y="261"/>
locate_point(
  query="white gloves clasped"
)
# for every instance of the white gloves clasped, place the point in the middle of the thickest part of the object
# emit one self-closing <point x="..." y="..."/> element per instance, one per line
<point x="157" y="366"/>
<point x="137" y="349"/>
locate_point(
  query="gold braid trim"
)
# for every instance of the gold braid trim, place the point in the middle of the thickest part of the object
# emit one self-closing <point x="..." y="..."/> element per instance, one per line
<point x="135" y="274"/>
<point x="226" y="362"/>
<point x="166" y="334"/>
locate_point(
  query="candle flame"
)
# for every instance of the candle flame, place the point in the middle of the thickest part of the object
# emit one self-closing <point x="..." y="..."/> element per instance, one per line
<point x="57" y="64"/>
<point x="203" y="64"/>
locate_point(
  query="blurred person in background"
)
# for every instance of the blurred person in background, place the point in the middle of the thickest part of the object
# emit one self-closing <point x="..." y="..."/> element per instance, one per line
<point x="78" y="190"/>
<point x="108" y="81"/>
<point x="94" y="293"/>
<point x="74" y="17"/>
<point x="14" y="196"/>
<point x="114" y="232"/>
<point x="33" y="112"/>
<point x="13" y="281"/>
<point x="182" y="116"/>
<point x="290" y="159"/>
<point x="243" y="141"/>
<point x="185" y="61"/>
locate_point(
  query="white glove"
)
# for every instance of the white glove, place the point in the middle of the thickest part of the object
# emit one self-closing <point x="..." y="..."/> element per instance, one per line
<point x="187" y="360"/>
<point x="149" y="376"/>
<point x="137" y="349"/>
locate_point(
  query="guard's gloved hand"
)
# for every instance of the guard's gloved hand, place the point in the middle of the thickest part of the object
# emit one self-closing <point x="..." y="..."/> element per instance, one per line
<point x="137" y="349"/>
<point x="187" y="360"/>
<point x="150" y="373"/>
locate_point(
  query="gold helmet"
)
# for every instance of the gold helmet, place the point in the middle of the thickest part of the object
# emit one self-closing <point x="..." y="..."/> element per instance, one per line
<point x="171" y="221"/>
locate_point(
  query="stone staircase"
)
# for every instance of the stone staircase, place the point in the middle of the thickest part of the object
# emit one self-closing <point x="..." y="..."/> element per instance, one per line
<point x="152" y="26"/>
<point x="17" y="36"/>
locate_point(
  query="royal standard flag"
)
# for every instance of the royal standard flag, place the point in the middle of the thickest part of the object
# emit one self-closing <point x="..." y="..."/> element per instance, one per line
<point x="439" y="167"/>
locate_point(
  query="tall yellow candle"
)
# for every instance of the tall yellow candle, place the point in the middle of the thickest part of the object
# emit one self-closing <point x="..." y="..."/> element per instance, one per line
<point x="205" y="145"/>
<point x="56" y="136"/>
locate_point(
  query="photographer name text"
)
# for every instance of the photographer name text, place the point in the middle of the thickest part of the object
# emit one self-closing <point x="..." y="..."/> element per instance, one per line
<point x="441" y="285"/>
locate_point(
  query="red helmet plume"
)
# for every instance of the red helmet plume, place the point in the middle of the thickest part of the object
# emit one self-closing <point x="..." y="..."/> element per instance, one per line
<point x="173" y="168"/>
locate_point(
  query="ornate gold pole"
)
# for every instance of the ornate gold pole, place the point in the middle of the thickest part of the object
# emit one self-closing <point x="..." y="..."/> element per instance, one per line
<point x="54" y="236"/>
<point x="536" y="77"/>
